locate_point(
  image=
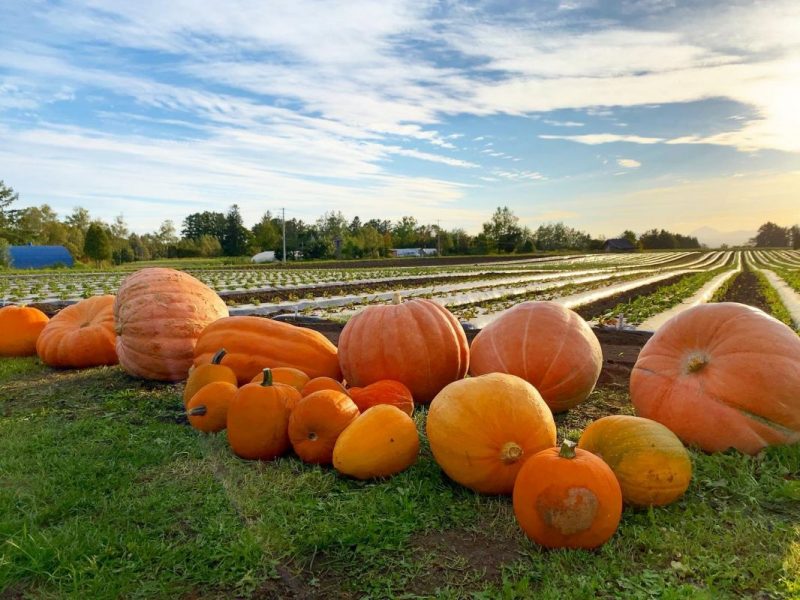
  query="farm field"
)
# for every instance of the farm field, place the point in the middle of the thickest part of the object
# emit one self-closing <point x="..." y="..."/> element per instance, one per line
<point x="106" y="492"/>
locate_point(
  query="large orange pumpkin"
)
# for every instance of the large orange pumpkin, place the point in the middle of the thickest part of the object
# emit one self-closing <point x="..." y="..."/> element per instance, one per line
<point x="546" y="344"/>
<point x="255" y="343"/>
<point x="419" y="343"/>
<point x="81" y="335"/>
<point x="379" y="443"/>
<point x="567" y="498"/>
<point x="316" y="422"/>
<point x="651" y="464"/>
<point x="159" y="315"/>
<point x="258" y="420"/>
<point x="722" y="376"/>
<point x="20" y="327"/>
<point x="481" y="429"/>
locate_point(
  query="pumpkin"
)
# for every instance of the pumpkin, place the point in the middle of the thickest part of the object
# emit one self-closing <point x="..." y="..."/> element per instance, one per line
<point x="290" y="393"/>
<point x="254" y="343"/>
<point x="481" y="429"/>
<point x="651" y="464"/>
<point x="385" y="391"/>
<point x="322" y="383"/>
<point x="203" y="375"/>
<point x="258" y="421"/>
<point x="379" y="443"/>
<point x="21" y="326"/>
<point x="721" y="376"/>
<point x="288" y="375"/>
<point x="80" y="335"/>
<point x="159" y="315"/>
<point x="418" y="343"/>
<point x="316" y="422"/>
<point x="207" y="410"/>
<point x="567" y="498"/>
<point x="546" y="344"/>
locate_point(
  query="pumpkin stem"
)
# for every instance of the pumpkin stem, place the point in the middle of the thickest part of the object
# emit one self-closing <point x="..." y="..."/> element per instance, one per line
<point x="510" y="453"/>
<point x="198" y="411"/>
<point x="396" y="298"/>
<point x="696" y="362"/>
<point x="217" y="358"/>
<point x="267" y="381"/>
<point x="567" y="449"/>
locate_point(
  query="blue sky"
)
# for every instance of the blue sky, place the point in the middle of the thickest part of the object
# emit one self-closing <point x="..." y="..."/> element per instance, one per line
<point x="605" y="115"/>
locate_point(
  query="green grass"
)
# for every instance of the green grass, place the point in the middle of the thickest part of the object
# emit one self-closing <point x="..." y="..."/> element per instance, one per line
<point x="106" y="493"/>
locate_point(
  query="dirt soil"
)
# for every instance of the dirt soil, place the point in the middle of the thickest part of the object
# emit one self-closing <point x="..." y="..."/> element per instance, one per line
<point x="595" y="309"/>
<point x="746" y="288"/>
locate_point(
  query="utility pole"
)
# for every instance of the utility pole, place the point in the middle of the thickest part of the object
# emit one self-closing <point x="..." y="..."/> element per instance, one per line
<point x="438" y="244"/>
<point x="283" y="218"/>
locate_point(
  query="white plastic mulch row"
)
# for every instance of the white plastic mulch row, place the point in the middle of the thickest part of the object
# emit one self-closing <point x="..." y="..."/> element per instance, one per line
<point x="787" y="295"/>
<point x="703" y="295"/>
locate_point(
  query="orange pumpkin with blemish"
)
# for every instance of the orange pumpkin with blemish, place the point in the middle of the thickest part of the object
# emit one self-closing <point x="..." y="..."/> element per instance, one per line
<point x="316" y="422"/>
<point x="567" y="498"/>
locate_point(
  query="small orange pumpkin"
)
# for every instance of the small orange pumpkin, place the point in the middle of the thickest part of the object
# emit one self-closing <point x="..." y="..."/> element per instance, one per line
<point x="385" y="391"/>
<point x="202" y="375"/>
<point x="651" y="464"/>
<point x="207" y="410"/>
<point x="481" y="429"/>
<point x="288" y="375"/>
<point x="379" y="443"/>
<point x="721" y="375"/>
<point x="547" y="345"/>
<point x="323" y="383"/>
<point x="258" y="421"/>
<point x="567" y="498"/>
<point x="20" y="327"/>
<point x="316" y="422"/>
<point x="81" y="335"/>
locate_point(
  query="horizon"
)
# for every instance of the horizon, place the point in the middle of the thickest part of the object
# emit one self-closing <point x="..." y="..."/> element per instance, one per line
<point x="601" y="115"/>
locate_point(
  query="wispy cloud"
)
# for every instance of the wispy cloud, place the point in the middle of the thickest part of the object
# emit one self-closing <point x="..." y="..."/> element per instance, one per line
<point x="629" y="163"/>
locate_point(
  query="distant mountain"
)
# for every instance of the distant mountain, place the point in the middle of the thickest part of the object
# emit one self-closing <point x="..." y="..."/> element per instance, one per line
<point x="713" y="238"/>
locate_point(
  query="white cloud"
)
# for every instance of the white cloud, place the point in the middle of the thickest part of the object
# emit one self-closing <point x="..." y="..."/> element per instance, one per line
<point x="563" y="123"/>
<point x="593" y="139"/>
<point x="628" y="163"/>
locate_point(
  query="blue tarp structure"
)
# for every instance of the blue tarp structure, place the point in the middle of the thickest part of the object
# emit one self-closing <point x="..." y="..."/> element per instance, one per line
<point x="39" y="257"/>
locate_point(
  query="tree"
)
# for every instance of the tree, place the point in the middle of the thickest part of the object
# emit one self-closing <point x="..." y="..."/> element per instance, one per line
<point x="404" y="233"/>
<point x="557" y="236"/>
<point x="97" y="245"/>
<point x="631" y="237"/>
<point x="503" y="230"/>
<point x="237" y="238"/>
<point x="204" y="223"/>
<point x="795" y="232"/>
<point x="771" y="235"/>
<point x="7" y="197"/>
<point x="267" y="233"/>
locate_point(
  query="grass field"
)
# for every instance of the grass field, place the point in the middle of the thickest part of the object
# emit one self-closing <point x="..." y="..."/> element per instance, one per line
<point x="105" y="492"/>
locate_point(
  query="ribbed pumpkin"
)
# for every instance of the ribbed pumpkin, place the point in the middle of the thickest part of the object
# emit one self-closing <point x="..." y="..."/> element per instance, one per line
<point x="546" y="344"/>
<point x="722" y="376"/>
<point x="419" y="343"/>
<point x="20" y="327"/>
<point x="316" y="422"/>
<point x="81" y="335"/>
<point x="207" y="410"/>
<point x="203" y="375"/>
<point x="481" y="429"/>
<point x="255" y="343"/>
<point x="379" y="443"/>
<point x="258" y="421"/>
<point x="159" y="315"/>
<point x="567" y="498"/>
<point x="319" y="384"/>
<point x="385" y="391"/>
<point x="651" y="464"/>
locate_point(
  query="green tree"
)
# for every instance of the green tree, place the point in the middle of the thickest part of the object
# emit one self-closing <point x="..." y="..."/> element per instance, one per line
<point x="631" y="237"/>
<point x="503" y="232"/>
<point x="795" y="233"/>
<point x="237" y="238"/>
<point x="97" y="245"/>
<point x="267" y="233"/>
<point x="204" y="223"/>
<point x="771" y="235"/>
<point x="404" y="233"/>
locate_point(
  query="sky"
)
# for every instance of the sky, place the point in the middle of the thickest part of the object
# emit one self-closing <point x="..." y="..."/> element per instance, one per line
<point x="604" y="115"/>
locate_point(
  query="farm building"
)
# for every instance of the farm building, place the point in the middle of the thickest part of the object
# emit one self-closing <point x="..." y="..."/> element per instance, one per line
<point x="413" y="251"/>
<point x="618" y="245"/>
<point x="39" y="257"/>
<point x="262" y="257"/>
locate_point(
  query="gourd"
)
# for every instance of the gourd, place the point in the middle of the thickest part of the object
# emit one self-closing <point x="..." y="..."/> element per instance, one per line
<point x="482" y="429"/>
<point x="419" y="343"/>
<point x="721" y="375"/>
<point x="567" y="498"/>
<point x="546" y="344"/>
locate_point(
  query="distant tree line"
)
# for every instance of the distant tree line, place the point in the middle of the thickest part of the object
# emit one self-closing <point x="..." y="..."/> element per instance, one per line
<point x="211" y="234"/>
<point x="771" y="235"/>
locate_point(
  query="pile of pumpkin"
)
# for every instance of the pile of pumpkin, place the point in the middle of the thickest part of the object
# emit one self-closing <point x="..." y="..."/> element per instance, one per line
<point x="716" y="376"/>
